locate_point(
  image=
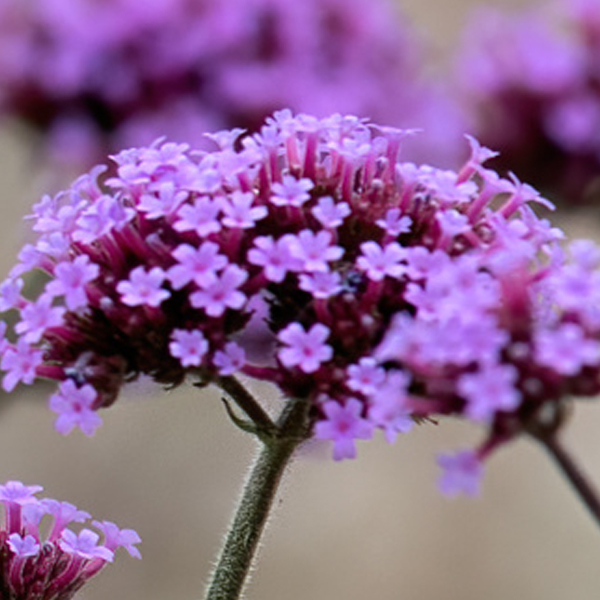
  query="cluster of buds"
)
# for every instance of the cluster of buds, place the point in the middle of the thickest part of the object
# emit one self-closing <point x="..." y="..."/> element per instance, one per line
<point x="384" y="293"/>
<point x="53" y="566"/>
<point x="100" y="76"/>
<point x="533" y="78"/>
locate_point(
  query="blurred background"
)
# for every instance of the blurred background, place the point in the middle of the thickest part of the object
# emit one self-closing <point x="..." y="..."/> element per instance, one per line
<point x="170" y="465"/>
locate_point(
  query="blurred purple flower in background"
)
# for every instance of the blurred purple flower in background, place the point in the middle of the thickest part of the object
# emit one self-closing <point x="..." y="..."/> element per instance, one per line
<point x="95" y="76"/>
<point x="432" y="292"/>
<point x="534" y="79"/>
<point x="56" y="565"/>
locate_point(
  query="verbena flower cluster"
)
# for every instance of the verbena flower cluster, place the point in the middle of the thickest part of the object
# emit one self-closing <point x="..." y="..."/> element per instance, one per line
<point x="391" y="292"/>
<point x="55" y="565"/>
<point x="96" y="75"/>
<point x="534" y="78"/>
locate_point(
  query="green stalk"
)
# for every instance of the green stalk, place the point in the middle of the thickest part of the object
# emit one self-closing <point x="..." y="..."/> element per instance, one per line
<point x="242" y="540"/>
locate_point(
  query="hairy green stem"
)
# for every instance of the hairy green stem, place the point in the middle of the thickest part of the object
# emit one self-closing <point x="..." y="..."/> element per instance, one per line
<point x="242" y="540"/>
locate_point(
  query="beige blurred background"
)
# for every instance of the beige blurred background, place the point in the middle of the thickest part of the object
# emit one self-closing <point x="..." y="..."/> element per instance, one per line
<point x="170" y="466"/>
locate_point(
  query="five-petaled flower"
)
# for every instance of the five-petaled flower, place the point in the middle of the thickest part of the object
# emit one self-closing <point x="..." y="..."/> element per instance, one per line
<point x="304" y="349"/>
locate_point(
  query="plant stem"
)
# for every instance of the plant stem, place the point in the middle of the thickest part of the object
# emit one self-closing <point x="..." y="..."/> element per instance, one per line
<point x="246" y="401"/>
<point x="242" y="540"/>
<point x="583" y="487"/>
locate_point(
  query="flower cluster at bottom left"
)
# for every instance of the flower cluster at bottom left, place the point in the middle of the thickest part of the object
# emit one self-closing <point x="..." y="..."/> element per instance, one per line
<point x="40" y="561"/>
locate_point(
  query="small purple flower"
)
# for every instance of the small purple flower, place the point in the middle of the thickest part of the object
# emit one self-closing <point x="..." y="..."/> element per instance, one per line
<point x="343" y="425"/>
<point x="305" y="349"/>
<point x="32" y="515"/>
<point x="37" y="317"/>
<point x="462" y="473"/>
<point x="389" y="401"/>
<point x="314" y="250"/>
<point x="585" y="254"/>
<point x="17" y="493"/>
<point x="566" y="349"/>
<point x="217" y="296"/>
<point x="30" y="257"/>
<point x="85" y="545"/>
<point x="199" y="265"/>
<point x="274" y="256"/>
<point x="365" y="377"/>
<point x="10" y="293"/>
<point x="391" y="415"/>
<point x="143" y="288"/>
<point x="164" y="200"/>
<point x="119" y="538"/>
<point x="20" y="363"/>
<point x="238" y="212"/>
<point x="15" y="496"/>
<point x="229" y="360"/>
<point x="291" y="192"/>
<point x="105" y="215"/>
<point x="489" y="390"/>
<point x="23" y="546"/>
<point x="380" y="262"/>
<point x="329" y="213"/>
<point x="189" y="347"/>
<point x="64" y="513"/>
<point x="452" y="223"/>
<point x="62" y="220"/>
<point x="74" y="406"/>
<point x="395" y="223"/>
<point x="321" y="284"/>
<point x="70" y="281"/>
<point x="200" y="217"/>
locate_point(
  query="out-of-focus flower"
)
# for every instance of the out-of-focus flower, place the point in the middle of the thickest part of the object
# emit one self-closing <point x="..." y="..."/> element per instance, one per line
<point x="99" y="76"/>
<point x="533" y="79"/>
<point x="431" y="293"/>
<point x="53" y="566"/>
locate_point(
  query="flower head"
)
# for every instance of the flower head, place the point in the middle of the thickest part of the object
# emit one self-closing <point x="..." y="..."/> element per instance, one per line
<point x="531" y="77"/>
<point x="56" y="566"/>
<point x="431" y="296"/>
<point x="93" y="77"/>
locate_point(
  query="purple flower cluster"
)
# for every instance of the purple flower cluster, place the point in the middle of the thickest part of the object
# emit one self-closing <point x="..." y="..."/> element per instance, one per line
<point x="391" y="292"/>
<point x="56" y="565"/>
<point x="534" y="78"/>
<point x="95" y="75"/>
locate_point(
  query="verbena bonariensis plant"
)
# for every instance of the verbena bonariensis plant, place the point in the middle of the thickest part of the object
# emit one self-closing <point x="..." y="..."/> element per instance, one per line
<point x="34" y="566"/>
<point x="534" y="79"/>
<point x="391" y="293"/>
<point x="94" y="77"/>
